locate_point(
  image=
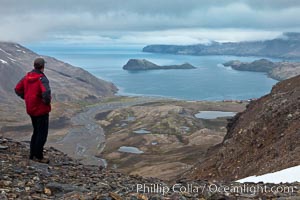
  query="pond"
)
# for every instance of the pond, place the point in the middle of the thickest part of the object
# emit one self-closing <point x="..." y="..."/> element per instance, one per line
<point x="142" y="131"/>
<point x="128" y="149"/>
<point x="214" y="114"/>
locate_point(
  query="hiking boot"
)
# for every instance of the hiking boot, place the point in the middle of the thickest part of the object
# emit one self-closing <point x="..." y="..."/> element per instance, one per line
<point x="43" y="160"/>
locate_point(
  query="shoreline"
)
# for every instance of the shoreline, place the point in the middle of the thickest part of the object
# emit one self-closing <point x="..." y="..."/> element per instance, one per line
<point x="186" y="100"/>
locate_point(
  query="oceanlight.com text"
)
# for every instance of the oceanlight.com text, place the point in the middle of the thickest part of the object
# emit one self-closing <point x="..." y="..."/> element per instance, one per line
<point x="212" y="188"/>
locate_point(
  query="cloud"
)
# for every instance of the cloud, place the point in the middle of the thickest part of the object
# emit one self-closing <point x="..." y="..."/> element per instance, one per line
<point x="174" y="36"/>
<point x="123" y="21"/>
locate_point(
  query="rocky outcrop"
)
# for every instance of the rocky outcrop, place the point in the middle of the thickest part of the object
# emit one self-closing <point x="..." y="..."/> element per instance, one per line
<point x="262" y="65"/>
<point x="262" y="139"/>
<point x="68" y="179"/>
<point x="143" y="64"/>
<point x="275" y="70"/>
<point x="287" y="46"/>
<point x="67" y="82"/>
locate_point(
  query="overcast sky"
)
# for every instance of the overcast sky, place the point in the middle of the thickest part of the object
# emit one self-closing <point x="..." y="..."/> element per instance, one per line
<point x="146" y="21"/>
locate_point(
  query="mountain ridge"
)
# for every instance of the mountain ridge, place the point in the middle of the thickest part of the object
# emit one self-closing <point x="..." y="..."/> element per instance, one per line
<point x="287" y="47"/>
<point x="68" y="83"/>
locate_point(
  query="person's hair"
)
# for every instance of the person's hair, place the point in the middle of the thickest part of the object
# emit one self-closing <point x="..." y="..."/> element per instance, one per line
<point x="39" y="63"/>
<point x="39" y="66"/>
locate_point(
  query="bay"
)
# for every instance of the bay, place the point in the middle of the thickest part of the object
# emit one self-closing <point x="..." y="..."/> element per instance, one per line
<point x="210" y="81"/>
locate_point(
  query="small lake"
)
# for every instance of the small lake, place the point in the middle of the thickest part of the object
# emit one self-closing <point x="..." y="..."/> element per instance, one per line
<point x="142" y="131"/>
<point x="128" y="149"/>
<point x="214" y="114"/>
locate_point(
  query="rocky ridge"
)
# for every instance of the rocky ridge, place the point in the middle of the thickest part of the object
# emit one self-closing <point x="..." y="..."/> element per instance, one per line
<point x="275" y="70"/>
<point x="65" y="178"/>
<point x="262" y="139"/>
<point x="143" y="64"/>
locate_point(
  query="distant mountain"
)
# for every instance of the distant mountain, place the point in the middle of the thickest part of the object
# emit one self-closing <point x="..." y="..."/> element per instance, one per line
<point x="276" y="70"/>
<point x="67" y="82"/>
<point x="262" y="139"/>
<point x="286" y="47"/>
<point x="143" y="64"/>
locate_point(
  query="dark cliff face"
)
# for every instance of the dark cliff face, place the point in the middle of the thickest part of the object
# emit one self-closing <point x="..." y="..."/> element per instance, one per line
<point x="262" y="139"/>
<point x="286" y="47"/>
<point x="67" y="82"/>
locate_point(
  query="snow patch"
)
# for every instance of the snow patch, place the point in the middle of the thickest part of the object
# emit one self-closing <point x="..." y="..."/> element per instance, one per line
<point x="5" y="52"/>
<point x="21" y="51"/>
<point x="17" y="46"/>
<point x="11" y="59"/>
<point x="288" y="175"/>
<point x="3" y="61"/>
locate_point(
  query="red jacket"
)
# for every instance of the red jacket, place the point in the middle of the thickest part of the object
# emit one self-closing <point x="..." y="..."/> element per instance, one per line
<point x="35" y="90"/>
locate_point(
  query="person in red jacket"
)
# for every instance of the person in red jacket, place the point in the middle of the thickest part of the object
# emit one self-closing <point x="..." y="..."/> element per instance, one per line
<point x="34" y="88"/>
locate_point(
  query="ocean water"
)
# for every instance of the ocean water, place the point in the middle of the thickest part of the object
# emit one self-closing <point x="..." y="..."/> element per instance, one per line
<point x="210" y="81"/>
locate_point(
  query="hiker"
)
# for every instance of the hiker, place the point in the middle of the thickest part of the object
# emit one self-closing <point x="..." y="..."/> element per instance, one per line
<point x="35" y="90"/>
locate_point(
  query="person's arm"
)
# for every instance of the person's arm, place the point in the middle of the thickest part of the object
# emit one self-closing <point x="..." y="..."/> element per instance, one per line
<point x="19" y="89"/>
<point x="46" y="91"/>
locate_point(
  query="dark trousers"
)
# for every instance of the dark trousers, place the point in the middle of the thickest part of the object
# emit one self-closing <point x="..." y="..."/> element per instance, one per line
<point x="39" y="137"/>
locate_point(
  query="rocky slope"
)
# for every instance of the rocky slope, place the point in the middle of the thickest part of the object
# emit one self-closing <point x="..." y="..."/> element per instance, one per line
<point x="67" y="179"/>
<point x="285" y="70"/>
<point x="287" y="46"/>
<point x="262" y="139"/>
<point x="276" y="70"/>
<point x="67" y="82"/>
<point x="143" y="64"/>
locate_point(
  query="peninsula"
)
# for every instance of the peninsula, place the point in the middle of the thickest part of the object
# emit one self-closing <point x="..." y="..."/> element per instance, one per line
<point x="143" y="64"/>
<point x="276" y="70"/>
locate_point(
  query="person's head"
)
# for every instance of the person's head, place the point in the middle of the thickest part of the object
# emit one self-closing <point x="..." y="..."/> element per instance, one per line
<point x="39" y="64"/>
